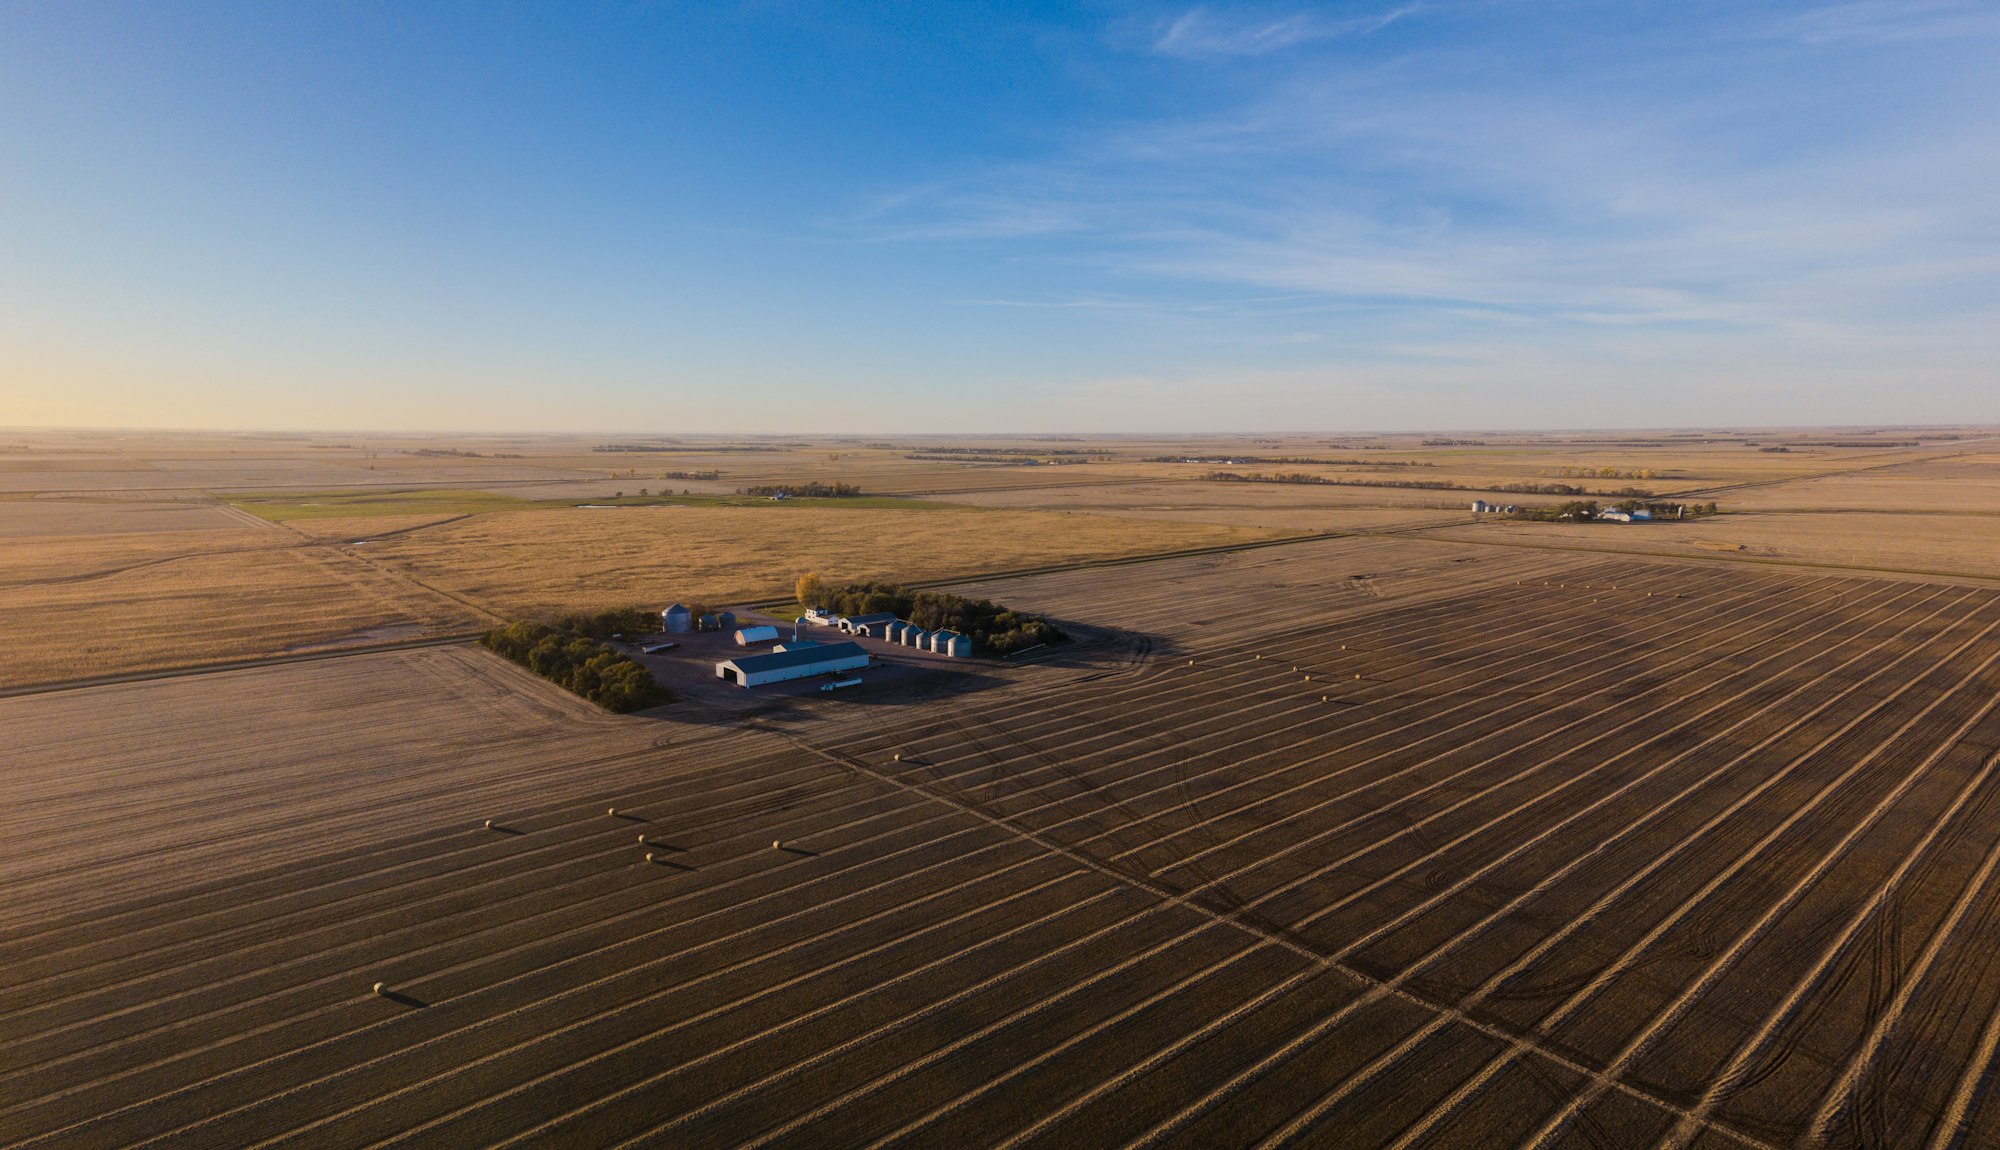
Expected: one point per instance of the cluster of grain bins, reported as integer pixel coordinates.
(949, 643)
(886, 626)
(1481, 507)
(679, 620)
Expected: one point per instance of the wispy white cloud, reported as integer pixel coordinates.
(1442, 183)
(1201, 34)
(1879, 22)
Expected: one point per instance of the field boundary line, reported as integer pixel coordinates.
(590, 858)
(1733, 1073)
(454, 638)
(1170, 1126)
(1275, 938)
(1242, 669)
(1840, 1096)
(468, 636)
(1524, 1044)
(1722, 559)
(646, 910)
(967, 1097)
(1950, 1130)
(1677, 1007)
(1703, 627)
(405, 1051)
(798, 1019)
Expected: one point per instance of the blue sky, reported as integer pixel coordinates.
(924, 217)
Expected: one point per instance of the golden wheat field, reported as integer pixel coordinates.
(129, 551)
(549, 561)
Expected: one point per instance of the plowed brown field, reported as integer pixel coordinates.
(1358, 842)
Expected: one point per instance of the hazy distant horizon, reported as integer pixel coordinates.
(612, 435)
(1135, 216)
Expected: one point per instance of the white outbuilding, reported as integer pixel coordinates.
(867, 624)
(760, 634)
(780, 666)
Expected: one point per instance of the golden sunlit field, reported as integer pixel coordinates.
(1351, 815)
(129, 551)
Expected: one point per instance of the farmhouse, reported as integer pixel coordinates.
(779, 666)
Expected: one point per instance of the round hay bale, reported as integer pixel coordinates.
(381, 988)
(649, 856)
(777, 844)
(612, 811)
(642, 840)
(489, 824)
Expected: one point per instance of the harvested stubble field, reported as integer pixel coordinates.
(129, 552)
(77, 606)
(1290, 508)
(1949, 545)
(1548, 850)
(578, 558)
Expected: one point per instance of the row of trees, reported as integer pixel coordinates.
(1250, 460)
(1606, 473)
(813, 490)
(579, 663)
(1585, 510)
(993, 629)
(1424, 484)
